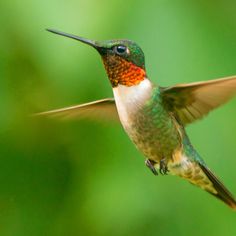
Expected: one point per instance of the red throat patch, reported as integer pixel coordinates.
(123, 72)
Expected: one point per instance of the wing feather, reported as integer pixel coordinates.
(104, 109)
(193, 101)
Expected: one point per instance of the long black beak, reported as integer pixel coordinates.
(84, 40)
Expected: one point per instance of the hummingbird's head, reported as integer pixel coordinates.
(123, 59)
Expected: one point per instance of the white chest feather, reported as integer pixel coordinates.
(130, 99)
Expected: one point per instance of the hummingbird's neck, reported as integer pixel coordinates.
(130, 99)
(123, 72)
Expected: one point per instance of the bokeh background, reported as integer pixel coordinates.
(85, 178)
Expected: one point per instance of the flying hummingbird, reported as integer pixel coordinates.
(155, 117)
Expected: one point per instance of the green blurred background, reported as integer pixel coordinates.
(84, 178)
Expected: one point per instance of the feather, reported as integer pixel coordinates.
(198, 174)
(193, 101)
(103, 109)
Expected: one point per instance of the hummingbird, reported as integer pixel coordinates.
(155, 117)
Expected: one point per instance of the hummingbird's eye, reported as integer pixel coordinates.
(120, 49)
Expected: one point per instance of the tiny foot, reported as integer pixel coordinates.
(163, 167)
(150, 165)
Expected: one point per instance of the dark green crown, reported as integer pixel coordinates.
(126, 49)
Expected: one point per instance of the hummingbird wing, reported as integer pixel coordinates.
(193, 101)
(101, 109)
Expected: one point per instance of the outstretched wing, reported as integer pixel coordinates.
(103, 109)
(193, 101)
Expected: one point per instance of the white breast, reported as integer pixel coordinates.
(130, 99)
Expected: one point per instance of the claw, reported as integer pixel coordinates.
(163, 167)
(150, 165)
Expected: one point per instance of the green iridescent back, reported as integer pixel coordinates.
(155, 132)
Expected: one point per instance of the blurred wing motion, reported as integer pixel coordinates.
(193, 101)
(103, 109)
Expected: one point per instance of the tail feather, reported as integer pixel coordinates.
(222, 192)
(198, 174)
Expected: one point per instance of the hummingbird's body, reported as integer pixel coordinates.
(153, 130)
(155, 117)
(156, 132)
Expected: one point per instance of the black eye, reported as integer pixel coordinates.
(120, 49)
